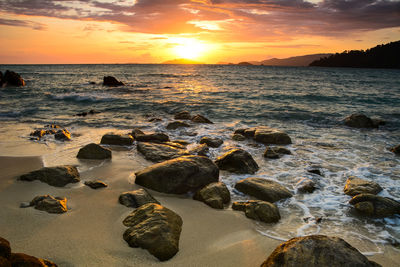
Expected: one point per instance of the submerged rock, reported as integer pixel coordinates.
(315, 171)
(396, 149)
(375, 206)
(84, 114)
(154, 228)
(183, 115)
(11, 78)
(263, 189)
(111, 81)
(355, 186)
(305, 185)
(259, 210)
(50, 204)
(135, 132)
(152, 137)
(177, 124)
(159, 152)
(211, 141)
(360, 121)
(117, 140)
(201, 150)
(96, 184)
(179, 175)
(201, 119)
(276, 152)
(55, 176)
(267, 135)
(62, 135)
(94, 151)
(214, 195)
(238, 137)
(238, 161)
(136, 198)
(317, 251)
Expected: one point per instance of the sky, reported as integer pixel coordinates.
(208, 31)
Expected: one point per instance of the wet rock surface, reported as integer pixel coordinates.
(154, 228)
(152, 137)
(258, 210)
(317, 251)
(159, 152)
(96, 184)
(55, 176)
(177, 124)
(94, 151)
(305, 185)
(136, 198)
(11, 78)
(50, 204)
(111, 81)
(361, 121)
(179, 175)
(276, 152)
(263, 189)
(183, 115)
(355, 186)
(375, 206)
(117, 140)
(201, 119)
(211, 141)
(238, 161)
(214, 195)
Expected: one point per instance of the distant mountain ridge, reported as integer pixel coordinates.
(380, 56)
(293, 61)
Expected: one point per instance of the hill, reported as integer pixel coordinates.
(293, 61)
(381, 56)
(181, 61)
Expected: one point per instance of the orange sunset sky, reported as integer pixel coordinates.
(210, 31)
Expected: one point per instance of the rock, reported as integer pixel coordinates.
(214, 195)
(238, 137)
(154, 120)
(268, 135)
(136, 132)
(317, 251)
(24, 260)
(378, 122)
(96, 184)
(211, 141)
(177, 124)
(55, 176)
(396, 149)
(3, 261)
(38, 133)
(159, 152)
(359, 121)
(11, 78)
(201, 150)
(179, 175)
(305, 185)
(62, 135)
(375, 206)
(239, 131)
(111, 81)
(1, 79)
(201, 119)
(173, 144)
(183, 115)
(136, 198)
(153, 137)
(263, 189)
(5, 249)
(117, 140)
(249, 133)
(238, 161)
(315, 171)
(182, 142)
(154, 228)
(50, 204)
(84, 114)
(355, 186)
(276, 152)
(259, 210)
(94, 151)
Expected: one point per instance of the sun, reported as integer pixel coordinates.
(189, 49)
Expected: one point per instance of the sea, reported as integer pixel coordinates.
(309, 103)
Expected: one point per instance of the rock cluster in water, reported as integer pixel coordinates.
(11, 78)
(57, 131)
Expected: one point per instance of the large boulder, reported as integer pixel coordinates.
(154, 228)
(176, 124)
(11, 78)
(117, 140)
(159, 152)
(396, 149)
(24, 260)
(316, 251)
(50, 204)
(136, 198)
(263, 189)
(152, 137)
(179, 175)
(183, 115)
(94, 151)
(201, 119)
(56, 176)
(267, 135)
(355, 186)
(238, 161)
(211, 141)
(214, 195)
(259, 210)
(360, 121)
(375, 206)
(111, 81)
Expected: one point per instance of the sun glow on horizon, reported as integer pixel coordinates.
(190, 49)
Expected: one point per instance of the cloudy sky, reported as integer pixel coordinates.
(152, 31)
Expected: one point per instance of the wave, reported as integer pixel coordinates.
(83, 97)
(168, 75)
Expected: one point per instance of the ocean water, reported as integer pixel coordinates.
(308, 103)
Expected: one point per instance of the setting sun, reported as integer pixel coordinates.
(190, 49)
